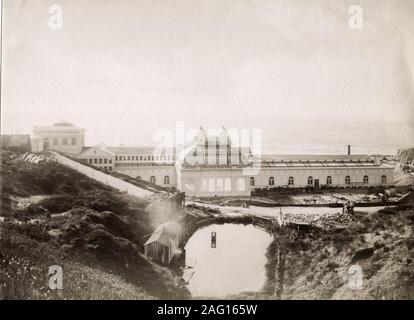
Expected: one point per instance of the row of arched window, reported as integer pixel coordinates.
(291, 180)
(222, 184)
(153, 180)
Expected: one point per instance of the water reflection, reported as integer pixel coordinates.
(235, 264)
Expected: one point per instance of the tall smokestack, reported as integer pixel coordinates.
(349, 149)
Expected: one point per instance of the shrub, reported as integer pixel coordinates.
(32, 230)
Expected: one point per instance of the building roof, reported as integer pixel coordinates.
(159, 236)
(138, 150)
(63, 124)
(164, 232)
(87, 150)
(211, 150)
(170, 226)
(60, 127)
(270, 164)
(331, 161)
(313, 157)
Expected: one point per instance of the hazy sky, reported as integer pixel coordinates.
(294, 68)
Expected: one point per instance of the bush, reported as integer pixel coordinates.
(111, 247)
(96, 200)
(112, 223)
(33, 231)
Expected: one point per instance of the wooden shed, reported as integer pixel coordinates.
(164, 242)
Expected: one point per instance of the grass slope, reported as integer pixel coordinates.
(94, 232)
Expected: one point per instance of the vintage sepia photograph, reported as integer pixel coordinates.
(204, 150)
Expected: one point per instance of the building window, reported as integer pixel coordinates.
(203, 184)
(105, 161)
(90, 161)
(152, 179)
(271, 181)
(140, 158)
(227, 184)
(291, 181)
(366, 179)
(100, 161)
(110, 168)
(252, 181)
(65, 141)
(240, 184)
(347, 180)
(46, 143)
(310, 181)
(95, 161)
(211, 185)
(219, 185)
(128, 158)
(384, 179)
(116, 158)
(328, 180)
(55, 141)
(166, 180)
(73, 141)
(110, 161)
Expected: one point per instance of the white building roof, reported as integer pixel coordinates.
(138, 150)
(61, 127)
(317, 158)
(164, 233)
(95, 150)
(331, 161)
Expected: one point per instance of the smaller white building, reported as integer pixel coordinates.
(147, 164)
(62, 137)
(98, 156)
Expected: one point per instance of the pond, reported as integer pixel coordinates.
(236, 263)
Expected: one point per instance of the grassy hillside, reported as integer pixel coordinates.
(94, 232)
